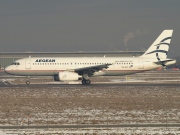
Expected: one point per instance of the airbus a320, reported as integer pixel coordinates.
(83, 68)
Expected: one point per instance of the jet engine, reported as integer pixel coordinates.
(67, 76)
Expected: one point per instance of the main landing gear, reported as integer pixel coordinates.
(85, 79)
(86, 82)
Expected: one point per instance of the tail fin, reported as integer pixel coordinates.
(160, 47)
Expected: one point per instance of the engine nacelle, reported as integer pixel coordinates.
(67, 76)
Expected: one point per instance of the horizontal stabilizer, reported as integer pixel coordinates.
(165, 62)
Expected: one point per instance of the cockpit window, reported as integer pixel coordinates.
(15, 63)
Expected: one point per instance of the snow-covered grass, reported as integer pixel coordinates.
(97, 131)
(108, 104)
(87, 105)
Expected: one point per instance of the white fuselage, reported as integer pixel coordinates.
(73, 69)
(53, 65)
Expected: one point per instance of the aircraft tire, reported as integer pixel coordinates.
(27, 82)
(83, 82)
(88, 82)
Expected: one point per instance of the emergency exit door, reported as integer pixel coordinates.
(141, 64)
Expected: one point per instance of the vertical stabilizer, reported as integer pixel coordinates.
(160, 47)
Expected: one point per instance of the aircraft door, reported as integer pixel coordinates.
(28, 64)
(141, 64)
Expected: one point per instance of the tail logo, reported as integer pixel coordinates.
(162, 42)
(159, 48)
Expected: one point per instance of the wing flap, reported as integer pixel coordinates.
(91, 69)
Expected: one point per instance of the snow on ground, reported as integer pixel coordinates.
(78, 104)
(87, 105)
(94, 131)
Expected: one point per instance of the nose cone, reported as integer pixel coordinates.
(7, 69)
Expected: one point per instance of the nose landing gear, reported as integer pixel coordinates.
(28, 80)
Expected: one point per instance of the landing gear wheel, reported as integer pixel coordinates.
(83, 81)
(86, 82)
(27, 82)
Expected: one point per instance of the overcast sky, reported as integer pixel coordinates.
(87, 25)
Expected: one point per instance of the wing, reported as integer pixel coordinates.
(91, 70)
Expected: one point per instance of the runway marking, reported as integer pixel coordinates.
(6, 82)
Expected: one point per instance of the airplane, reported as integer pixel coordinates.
(83, 68)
